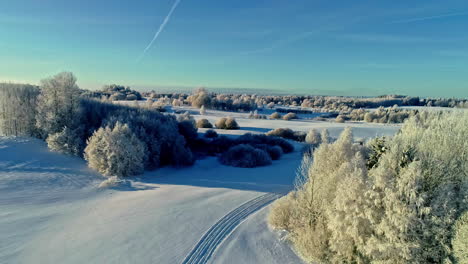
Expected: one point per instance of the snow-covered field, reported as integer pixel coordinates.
(52, 211)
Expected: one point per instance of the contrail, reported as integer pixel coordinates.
(429, 17)
(161, 28)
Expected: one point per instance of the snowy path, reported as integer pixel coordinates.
(223, 228)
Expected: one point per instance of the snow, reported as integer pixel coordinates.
(52, 210)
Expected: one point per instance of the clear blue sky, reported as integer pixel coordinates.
(316, 47)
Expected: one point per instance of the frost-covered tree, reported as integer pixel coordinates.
(401, 210)
(115, 151)
(58, 104)
(18, 109)
(67, 141)
(200, 98)
(313, 137)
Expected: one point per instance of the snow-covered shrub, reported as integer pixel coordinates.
(261, 139)
(110, 182)
(340, 119)
(202, 110)
(221, 123)
(67, 141)
(200, 98)
(231, 123)
(313, 137)
(460, 239)
(181, 154)
(204, 123)
(325, 136)
(275, 115)
(186, 116)
(58, 105)
(289, 116)
(117, 97)
(211, 134)
(245, 156)
(287, 133)
(115, 151)
(281, 212)
(227, 123)
(275, 152)
(187, 129)
(256, 115)
(119, 92)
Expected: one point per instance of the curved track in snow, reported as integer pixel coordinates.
(205, 248)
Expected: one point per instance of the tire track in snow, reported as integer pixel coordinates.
(205, 248)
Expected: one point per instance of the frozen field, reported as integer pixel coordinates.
(51, 210)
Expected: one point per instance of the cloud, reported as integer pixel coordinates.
(418, 19)
(160, 29)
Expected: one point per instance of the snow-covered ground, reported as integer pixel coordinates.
(52, 211)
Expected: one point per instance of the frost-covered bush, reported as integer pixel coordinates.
(221, 123)
(256, 115)
(211, 134)
(340, 119)
(289, 116)
(313, 137)
(187, 129)
(204, 123)
(202, 110)
(110, 182)
(115, 151)
(275, 152)
(227, 123)
(325, 136)
(288, 134)
(119, 92)
(245, 156)
(401, 210)
(275, 115)
(67, 141)
(186, 116)
(181, 156)
(265, 140)
(200, 98)
(231, 123)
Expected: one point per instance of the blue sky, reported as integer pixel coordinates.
(314, 47)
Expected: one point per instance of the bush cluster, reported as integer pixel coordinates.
(114, 92)
(287, 133)
(63, 115)
(245, 156)
(227, 123)
(214, 145)
(289, 116)
(256, 115)
(275, 115)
